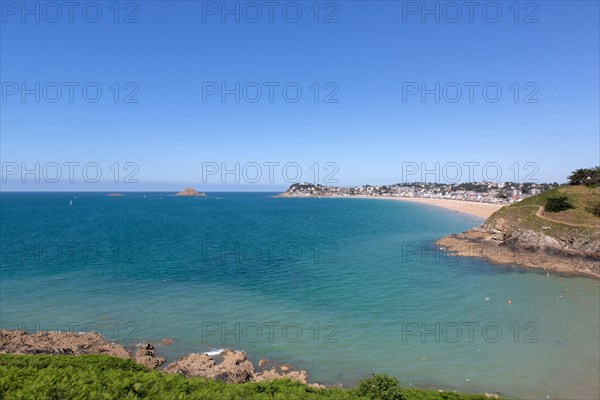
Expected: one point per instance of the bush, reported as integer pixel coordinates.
(380, 387)
(556, 204)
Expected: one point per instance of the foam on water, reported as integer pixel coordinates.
(215, 352)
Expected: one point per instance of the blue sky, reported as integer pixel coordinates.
(371, 54)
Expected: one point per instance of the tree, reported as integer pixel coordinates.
(595, 177)
(585, 176)
(556, 204)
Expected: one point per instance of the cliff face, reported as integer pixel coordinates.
(524, 234)
(527, 249)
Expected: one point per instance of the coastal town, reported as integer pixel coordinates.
(481, 192)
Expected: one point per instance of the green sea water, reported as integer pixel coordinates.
(339, 287)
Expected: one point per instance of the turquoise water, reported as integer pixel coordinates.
(340, 287)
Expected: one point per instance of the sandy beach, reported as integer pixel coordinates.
(481, 210)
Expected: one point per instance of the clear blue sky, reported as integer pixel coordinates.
(368, 55)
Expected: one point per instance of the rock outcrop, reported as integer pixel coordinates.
(563, 241)
(233, 368)
(271, 374)
(502, 244)
(21, 342)
(147, 356)
(229, 366)
(190, 192)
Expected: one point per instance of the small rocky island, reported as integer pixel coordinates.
(115, 195)
(190, 192)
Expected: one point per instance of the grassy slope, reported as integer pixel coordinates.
(86, 377)
(523, 214)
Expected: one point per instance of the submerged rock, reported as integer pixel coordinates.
(262, 362)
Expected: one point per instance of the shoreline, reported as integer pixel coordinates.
(487, 244)
(227, 366)
(472, 208)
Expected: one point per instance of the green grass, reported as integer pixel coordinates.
(581, 197)
(96, 377)
(522, 215)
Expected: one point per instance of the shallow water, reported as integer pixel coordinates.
(340, 287)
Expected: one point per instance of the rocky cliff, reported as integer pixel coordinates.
(524, 234)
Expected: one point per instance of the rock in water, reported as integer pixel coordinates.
(147, 357)
(233, 368)
(272, 374)
(262, 362)
(191, 365)
(190, 192)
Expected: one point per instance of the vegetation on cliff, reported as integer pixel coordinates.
(574, 216)
(102, 377)
(556, 230)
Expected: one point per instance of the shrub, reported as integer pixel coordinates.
(556, 204)
(380, 387)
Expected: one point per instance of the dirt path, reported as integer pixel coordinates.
(541, 210)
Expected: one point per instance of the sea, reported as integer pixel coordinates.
(340, 287)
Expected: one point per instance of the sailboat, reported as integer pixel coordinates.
(70, 202)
